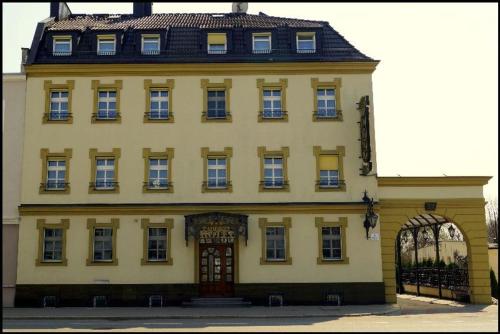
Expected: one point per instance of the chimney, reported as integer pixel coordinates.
(59, 10)
(24, 57)
(143, 9)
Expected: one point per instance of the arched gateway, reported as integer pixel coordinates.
(460, 199)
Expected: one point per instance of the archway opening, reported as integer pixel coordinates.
(431, 258)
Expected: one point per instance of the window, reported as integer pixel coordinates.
(216, 98)
(329, 169)
(332, 241)
(326, 100)
(150, 44)
(104, 173)
(261, 43)
(216, 173)
(157, 170)
(106, 105)
(216, 104)
(275, 241)
(52, 243)
(217, 43)
(217, 170)
(55, 171)
(61, 46)
(58, 102)
(56, 175)
(158, 102)
(106, 45)
(106, 102)
(272, 100)
(102, 242)
(306, 43)
(273, 173)
(157, 239)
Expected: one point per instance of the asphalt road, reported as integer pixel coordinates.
(415, 316)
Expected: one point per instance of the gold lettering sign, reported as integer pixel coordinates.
(216, 233)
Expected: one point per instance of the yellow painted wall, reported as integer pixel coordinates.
(431, 193)
(364, 255)
(493, 257)
(188, 134)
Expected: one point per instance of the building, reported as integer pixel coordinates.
(171, 156)
(13, 100)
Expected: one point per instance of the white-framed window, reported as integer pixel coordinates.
(150, 44)
(217, 173)
(216, 43)
(327, 106)
(106, 108)
(56, 175)
(275, 243)
(61, 46)
(106, 45)
(272, 103)
(158, 174)
(103, 244)
(157, 243)
(158, 99)
(105, 174)
(306, 43)
(58, 105)
(328, 178)
(332, 243)
(261, 43)
(52, 244)
(216, 103)
(273, 172)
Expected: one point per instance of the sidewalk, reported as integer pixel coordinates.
(140, 313)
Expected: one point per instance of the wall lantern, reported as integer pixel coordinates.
(451, 230)
(370, 216)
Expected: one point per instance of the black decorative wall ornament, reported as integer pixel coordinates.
(364, 125)
(216, 227)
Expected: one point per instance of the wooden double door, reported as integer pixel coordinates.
(216, 270)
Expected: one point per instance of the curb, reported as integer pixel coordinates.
(118, 317)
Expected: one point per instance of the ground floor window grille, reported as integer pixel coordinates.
(100, 301)
(333, 299)
(49, 301)
(276, 300)
(156, 301)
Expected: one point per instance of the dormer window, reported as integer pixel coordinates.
(150, 44)
(306, 42)
(262, 43)
(61, 46)
(106, 45)
(217, 43)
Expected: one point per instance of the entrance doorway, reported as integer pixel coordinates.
(216, 270)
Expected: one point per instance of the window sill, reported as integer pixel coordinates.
(337, 118)
(44, 190)
(167, 262)
(206, 119)
(146, 189)
(281, 262)
(170, 119)
(118, 119)
(114, 262)
(283, 118)
(341, 188)
(285, 188)
(323, 261)
(40, 263)
(206, 189)
(93, 190)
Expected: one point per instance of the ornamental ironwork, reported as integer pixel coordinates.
(216, 227)
(364, 125)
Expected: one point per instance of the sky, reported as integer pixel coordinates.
(435, 91)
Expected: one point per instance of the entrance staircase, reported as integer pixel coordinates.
(217, 302)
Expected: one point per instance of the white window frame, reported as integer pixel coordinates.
(59, 100)
(313, 35)
(260, 35)
(155, 52)
(56, 180)
(57, 39)
(158, 99)
(158, 238)
(275, 113)
(217, 167)
(330, 238)
(217, 100)
(52, 240)
(106, 167)
(275, 238)
(273, 167)
(326, 98)
(332, 179)
(102, 239)
(158, 168)
(107, 99)
(106, 39)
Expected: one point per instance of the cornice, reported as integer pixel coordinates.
(433, 181)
